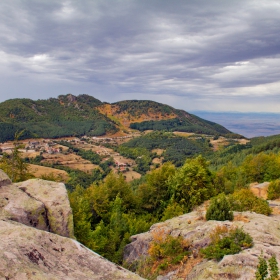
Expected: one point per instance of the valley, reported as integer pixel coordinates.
(132, 171)
(45, 155)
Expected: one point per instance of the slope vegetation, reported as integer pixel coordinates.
(56, 117)
(69, 115)
(149, 115)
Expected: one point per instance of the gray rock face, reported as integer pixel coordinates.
(55, 199)
(37, 203)
(27, 253)
(18, 206)
(264, 230)
(4, 179)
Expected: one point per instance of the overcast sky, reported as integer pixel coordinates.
(193, 55)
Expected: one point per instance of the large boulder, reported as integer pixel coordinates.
(18, 206)
(55, 199)
(27, 253)
(263, 229)
(37, 203)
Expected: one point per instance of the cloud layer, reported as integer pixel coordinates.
(193, 55)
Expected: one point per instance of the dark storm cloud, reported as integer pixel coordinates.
(206, 54)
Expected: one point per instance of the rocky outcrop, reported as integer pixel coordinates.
(17, 206)
(37, 203)
(4, 179)
(27, 253)
(55, 199)
(260, 190)
(28, 211)
(264, 230)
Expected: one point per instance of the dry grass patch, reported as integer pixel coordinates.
(131, 175)
(85, 167)
(41, 171)
(241, 218)
(275, 210)
(158, 151)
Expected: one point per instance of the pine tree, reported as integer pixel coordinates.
(273, 268)
(13, 165)
(219, 209)
(261, 272)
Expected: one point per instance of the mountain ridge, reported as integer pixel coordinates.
(70, 115)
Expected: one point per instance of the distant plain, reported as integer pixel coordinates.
(247, 124)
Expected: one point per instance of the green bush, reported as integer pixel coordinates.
(245, 200)
(262, 269)
(229, 243)
(166, 252)
(273, 191)
(219, 209)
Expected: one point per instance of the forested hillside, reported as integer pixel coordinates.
(53, 118)
(149, 115)
(69, 115)
(175, 148)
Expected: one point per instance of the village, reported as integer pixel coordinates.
(51, 152)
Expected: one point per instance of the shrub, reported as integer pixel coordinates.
(273, 191)
(262, 269)
(228, 243)
(172, 210)
(165, 252)
(219, 209)
(165, 246)
(245, 200)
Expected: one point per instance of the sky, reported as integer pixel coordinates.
(193, 55)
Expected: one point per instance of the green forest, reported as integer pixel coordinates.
(53, 118)
(69, 115)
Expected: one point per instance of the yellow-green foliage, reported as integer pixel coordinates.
(273, 191)
(154, 194)
(245, 200)
(82, 216)
(104, 216)
(165, 252)
(172, 210)
(192, 184)
(261, 167)
(103, 194)
(227, 242)
(13, 165)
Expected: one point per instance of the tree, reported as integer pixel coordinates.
(104, 193)
(173, 209)
(13, 165)
(273, 190)
(219, 209)
(273, 268)
(245, 200)
(261, 167)
(153, 194)
(82, 216)
(192, 184)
